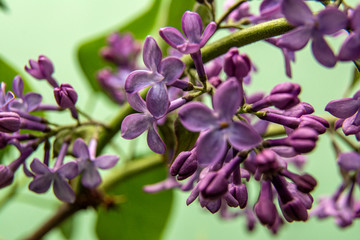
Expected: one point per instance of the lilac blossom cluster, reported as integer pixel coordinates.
(17, 110)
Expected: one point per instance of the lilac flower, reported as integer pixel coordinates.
(192, 27)
(237, 65)
(24, 103)
(350, 49)
(66, 97)
(114, 84)
(162, 72)
(135, 124)
(45, 176)
(42, 69)
(326, 22)
(9, 122)
(5, 97)
(218, 125)
(346, 108)
(88, 163)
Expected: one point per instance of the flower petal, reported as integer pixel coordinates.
(322, 52)
(134, 124)
(138, 80)
(349, 161)
(197, 116)
(295, 39)
(91, 177)
(350, 49)
(192, 26)
(242, 136)
(343, 108)
(38, 167)
(106, 161)
(136, 102)
(227, 99)
(172, 36)
(157, 100)
(152, 54)
(69, 170)
(154, 141)
(171, 68)
(62, 190)
(18, 86)
(32, 100)
(211, 147)
(331, 20)
(297, 12)
(41, 184)
(208, 32)
(80, 149)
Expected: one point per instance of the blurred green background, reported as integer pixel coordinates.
(57, 27)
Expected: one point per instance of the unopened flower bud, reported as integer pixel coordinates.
(6, 176)
(65, 95)
(184, 165)
(265, 209)
(266, 161)
(214, 185)
(239, 192)
(236, 65)
(9, 122)
(317, 123)
(285, 95)
(303, 140)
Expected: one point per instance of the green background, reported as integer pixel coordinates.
(57, 27)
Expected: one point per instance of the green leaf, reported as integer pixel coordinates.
(7, 74)
(88, 53)
(3, 6)
(67, 228)
(185, 139)
(142, 215)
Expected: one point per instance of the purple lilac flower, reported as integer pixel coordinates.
(66, 97)
(192, 27)
(45, 176)
(236, 64)
(239, 13)
(24, 103)
(135, 124)
(42, 69)
(5, 97)
(326, 22)
(218, 125)
(289, 56)
(114, 84)
(162, 72)
(9, 122)
(89, 164)
(350, 49)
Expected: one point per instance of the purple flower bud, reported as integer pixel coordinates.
(303, 140)
(9, 122)
(304, 183)
(284, 95)
(214, 185)
(265, 209)
(239, 192)
(267, 161)
(184, 165)
(65, 95)
(294, 210)
(6, 176)
(317, 123)
(236, 65)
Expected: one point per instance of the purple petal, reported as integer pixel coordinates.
(171, 68)
(343, 108)
(62, 190)
(350, 49)
(69, 170)
(227, 99)
(331, 20)
(197, 116)
(138, 80)
(208, 32)
(355, 19)
(134, 124)
(192, 26)
(295, 39)
(172, 36)
(242, 136)
(32, 100)
(41, 184)
(211, 147)
(297, 12)
(188, 48)
(91, 177)
(106, 161)
(18, 86)
(46, 66)
(157, 100)
(152, 54)
(80, 149)
(136, 102)
(322, 52)
(349, 161)
(17, 105)
(154, 141)
(348, 126)
(39, 167)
